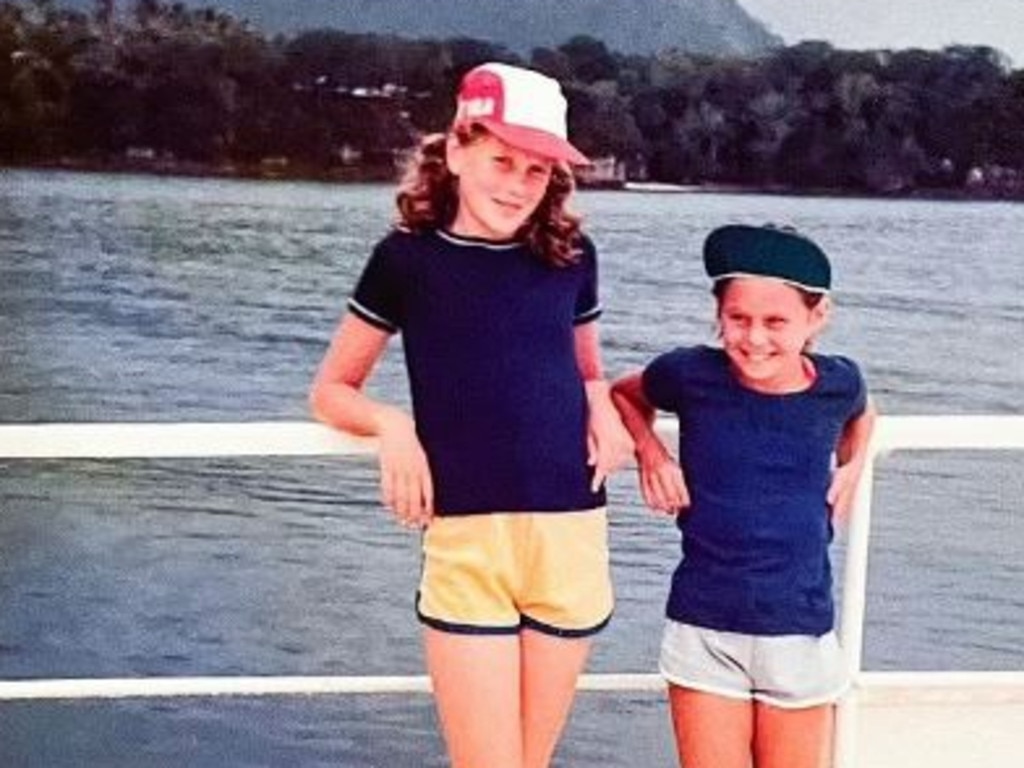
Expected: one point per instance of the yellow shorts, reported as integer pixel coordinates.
(501, 572)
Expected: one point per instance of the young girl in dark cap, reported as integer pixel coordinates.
(749, 650)
(493, 287)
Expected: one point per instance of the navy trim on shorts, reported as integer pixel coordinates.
(465, 629)
(526, 622)
(547, 629)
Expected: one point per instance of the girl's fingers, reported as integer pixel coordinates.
(592, 452)
(422, 498)
(412, 513)
(673, 489)
(428, 494)
(414, 506)
(403, 497)
(654, 493)
(407, 488)
(600, 475)
(680, 493)
(647, 489)
(671, 500)
(387, 485)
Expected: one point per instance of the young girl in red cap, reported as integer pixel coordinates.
(749, 651)
(494, 290)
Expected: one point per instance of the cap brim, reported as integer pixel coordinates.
(762, 276)
(538, 142)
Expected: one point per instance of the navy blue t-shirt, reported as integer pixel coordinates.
(758, 467)
(488, 333)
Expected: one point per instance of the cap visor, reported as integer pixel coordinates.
(778, 278)
(538, 142)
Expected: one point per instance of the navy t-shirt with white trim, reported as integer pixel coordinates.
(488, 334)
(758, 467)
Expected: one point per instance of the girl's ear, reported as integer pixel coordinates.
(453, 154)
(820, 314)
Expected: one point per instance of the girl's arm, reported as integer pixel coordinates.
(661, 479)
(337, 399)
(851, 456)
(609, 446)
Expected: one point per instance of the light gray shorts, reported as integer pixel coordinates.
(789, 671)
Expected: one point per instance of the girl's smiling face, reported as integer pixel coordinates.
(499, 186)
(766, 326)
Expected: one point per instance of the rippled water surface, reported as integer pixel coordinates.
(141, 299)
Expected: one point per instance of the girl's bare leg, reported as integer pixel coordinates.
(477, 682)
(550, 668)
(711, 731)
(793, 738)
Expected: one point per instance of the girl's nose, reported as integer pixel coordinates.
(756, 334)
(518, 186)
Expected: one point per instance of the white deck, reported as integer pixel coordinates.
(939, 720)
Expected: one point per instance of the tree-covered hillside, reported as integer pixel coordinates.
(182, 90)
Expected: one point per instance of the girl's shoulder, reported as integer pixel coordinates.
(400, 248)
(584, 252)
(838, 375)
(697, 364)
(585, 244)
(695, 357)
(400, 237)
(837, 367)
(671, 379)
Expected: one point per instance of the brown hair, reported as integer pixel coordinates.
(428, 198)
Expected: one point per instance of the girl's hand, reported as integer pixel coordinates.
(609, 444)
(405, 481)
(842, 492)
(661, 478)
(852, 454)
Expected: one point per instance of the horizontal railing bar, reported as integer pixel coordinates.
(177, 440)
(162, 687)
(298, 438)
(872, 687)
(988, 432)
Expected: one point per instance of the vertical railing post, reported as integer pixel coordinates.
(851, 625)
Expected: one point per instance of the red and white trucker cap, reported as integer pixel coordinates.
(521, 107)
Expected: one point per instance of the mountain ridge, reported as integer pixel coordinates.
(713, 27)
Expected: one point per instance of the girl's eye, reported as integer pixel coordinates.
(538, 171)
(776, 322)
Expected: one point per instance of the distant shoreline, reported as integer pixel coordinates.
(364, 174)
(931, 193)
(387, 175)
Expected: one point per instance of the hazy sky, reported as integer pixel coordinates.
(897, 23)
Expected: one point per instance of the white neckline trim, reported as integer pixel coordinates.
(476, 242)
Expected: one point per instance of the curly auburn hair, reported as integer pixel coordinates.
(428, 199)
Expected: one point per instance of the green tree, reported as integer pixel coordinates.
(589, 59)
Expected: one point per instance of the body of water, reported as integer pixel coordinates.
(127, 298)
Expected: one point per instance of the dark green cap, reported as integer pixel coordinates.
(739, 250)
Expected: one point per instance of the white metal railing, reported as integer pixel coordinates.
(186, 440)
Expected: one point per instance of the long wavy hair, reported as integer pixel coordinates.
(428, 198)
